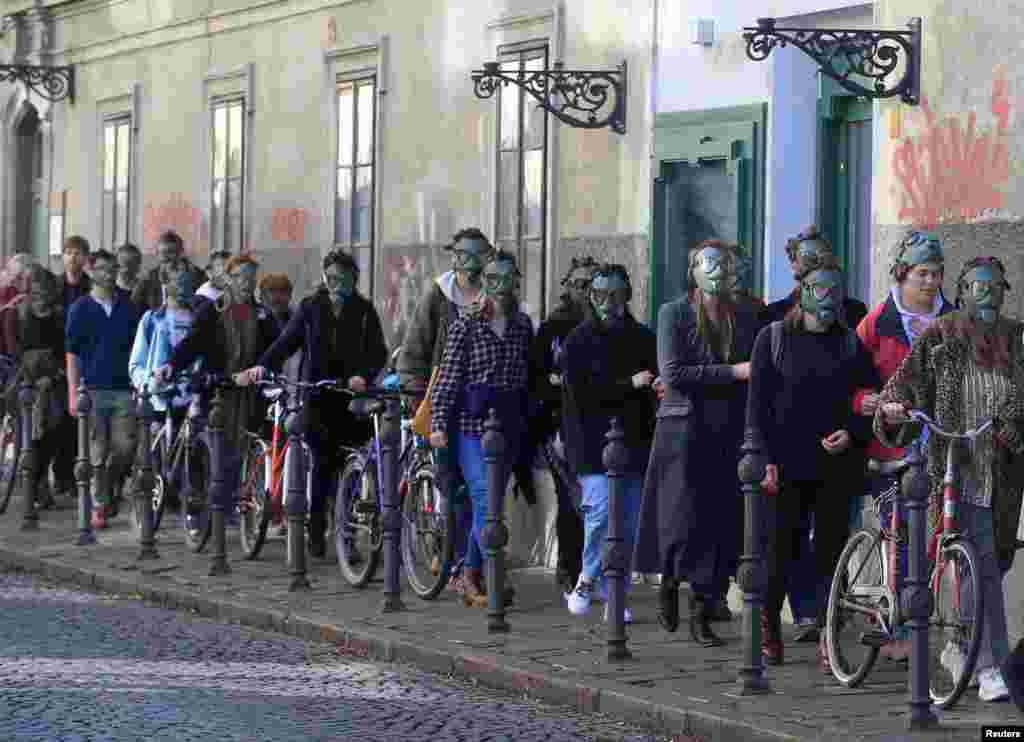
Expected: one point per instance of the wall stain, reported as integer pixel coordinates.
(289, 225)
(180, 214)
(952, 172)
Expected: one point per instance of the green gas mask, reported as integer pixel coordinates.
(501, 284)
(609, 294)
(712, 271)
(983, 290)
(470, 255)
(340, 283)
(821, 294)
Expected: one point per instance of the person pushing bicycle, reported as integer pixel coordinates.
(342, 338)
(968, 367)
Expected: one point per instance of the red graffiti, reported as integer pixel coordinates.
(289, 225)
(950, 173)
(179, 214)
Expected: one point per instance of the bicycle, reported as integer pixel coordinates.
(863, 602)
(427, 521)
(10, 437)
(259, 502)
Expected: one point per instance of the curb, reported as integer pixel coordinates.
(387, 646)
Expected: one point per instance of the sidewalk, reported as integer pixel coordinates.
(670, 685)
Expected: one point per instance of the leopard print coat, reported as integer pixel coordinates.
(931, 379)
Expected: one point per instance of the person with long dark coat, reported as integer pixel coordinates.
(691, 487)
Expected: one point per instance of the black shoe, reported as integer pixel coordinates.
(700, 624)
(719, 611)
(668, 604)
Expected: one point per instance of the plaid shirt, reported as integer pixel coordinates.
(474, 354)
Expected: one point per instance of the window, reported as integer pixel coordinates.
(227, 212)
(353, 205)
(117, 157)
(521, 182)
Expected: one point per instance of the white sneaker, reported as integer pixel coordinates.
(627, 615)
(579, 598)
(953, 659)
(991, 686)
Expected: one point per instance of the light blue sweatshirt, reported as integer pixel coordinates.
(159, 333)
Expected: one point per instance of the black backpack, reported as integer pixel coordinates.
(777, 330)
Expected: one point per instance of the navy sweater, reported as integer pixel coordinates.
(809, 398)
(103, 344)
(598, 365)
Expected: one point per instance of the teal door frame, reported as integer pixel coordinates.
(735, 134)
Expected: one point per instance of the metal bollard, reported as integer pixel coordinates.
(83, 468)
(295, 503)
(145, 480)
(752, 573)
(495, 535)
(29, 515)
(616, 560)
(219, 558)
(392, 518)
(915, 597)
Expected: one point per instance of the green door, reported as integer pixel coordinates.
(845, 123)
(705, 188)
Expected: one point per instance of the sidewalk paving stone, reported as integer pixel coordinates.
(670, 684)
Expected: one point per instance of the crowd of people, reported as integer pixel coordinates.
(721, 365)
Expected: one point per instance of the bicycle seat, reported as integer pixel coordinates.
(888, 467)
(366, 407)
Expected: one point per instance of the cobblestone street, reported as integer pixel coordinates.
(80, 667)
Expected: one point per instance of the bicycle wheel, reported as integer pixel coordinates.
(858, 589)
(357, 521)
(10, 451)
(955, 626)
(254, 501)
(196, 508)
(159, 494)
(427, 527)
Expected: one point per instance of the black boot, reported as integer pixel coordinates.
(317, 526)
(668, 604)
(700, 624)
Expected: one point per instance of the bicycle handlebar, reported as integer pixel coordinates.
(919, 416)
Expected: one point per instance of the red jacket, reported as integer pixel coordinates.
(883, 335)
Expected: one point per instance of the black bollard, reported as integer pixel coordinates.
(495, 535)
(83, 468)
(295, 503)
(391, 439)
(219, 558)
(616, 559)
(915, 597)
(29, 515)
(752, 573)
(145, 480)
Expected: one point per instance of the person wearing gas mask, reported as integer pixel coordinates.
(341, 335)
(229, 335)
(812, 449)
(129, 264)
(805, 252)
(170, 248)
(546, 390)
(608, 364)
(968, 367)
(691, 490)
(98, 336)
(485, 365)
(217, 278)
(450, 296)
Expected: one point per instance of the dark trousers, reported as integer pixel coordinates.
(568, 522)
(326, 434)
(66, 452)
(827, 504)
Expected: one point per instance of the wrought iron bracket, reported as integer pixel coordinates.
(585, 99)
(52, 83)
(848, 53)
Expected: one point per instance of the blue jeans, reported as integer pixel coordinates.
(458, 499)
(474, 470)
(977, 523)
(595, 519)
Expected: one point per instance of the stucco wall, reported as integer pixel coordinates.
(436, 159)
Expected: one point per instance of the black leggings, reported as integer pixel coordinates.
(828, 501)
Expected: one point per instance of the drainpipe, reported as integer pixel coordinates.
(554, 161)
